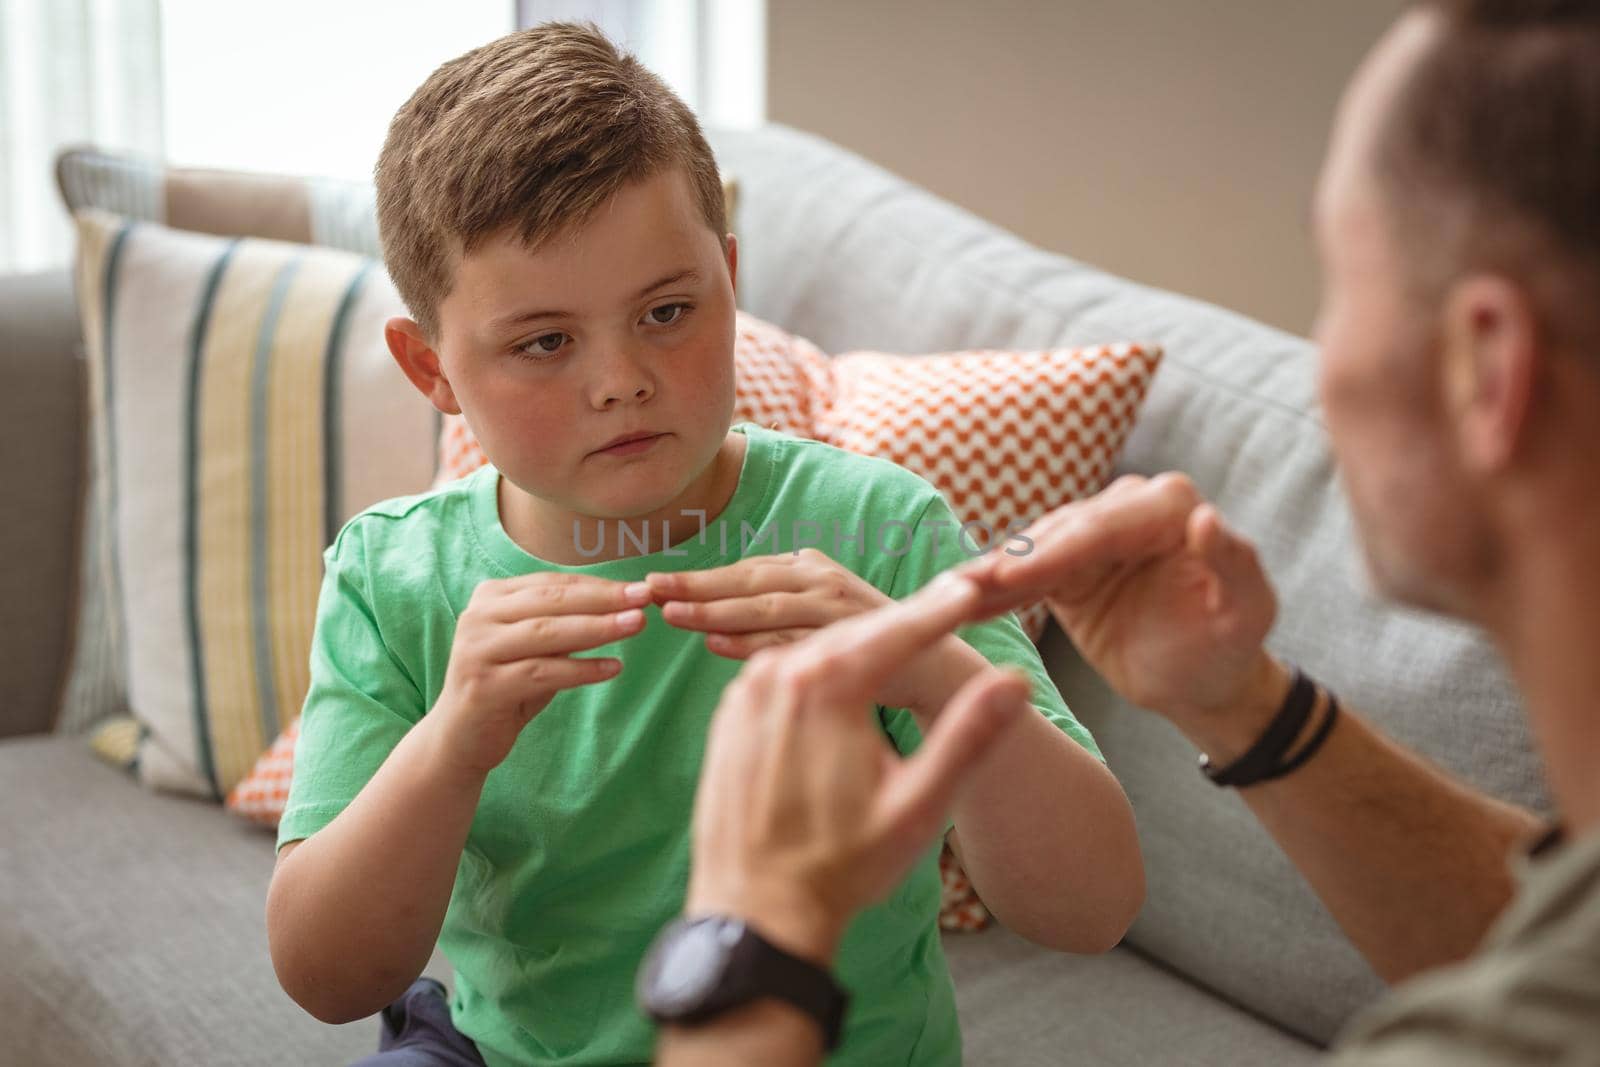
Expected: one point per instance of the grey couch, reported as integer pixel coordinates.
(132, 928)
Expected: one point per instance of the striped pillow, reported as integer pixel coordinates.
(322, 211)
(244, 406)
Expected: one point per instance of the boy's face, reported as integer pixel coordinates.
(622, 327)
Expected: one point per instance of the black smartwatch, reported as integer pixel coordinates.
(699, 968)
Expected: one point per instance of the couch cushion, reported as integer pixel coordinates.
(850, 256)
(134, 930)
(135, 935)
(1022, 1006)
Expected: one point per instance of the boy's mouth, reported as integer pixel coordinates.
(629, 444)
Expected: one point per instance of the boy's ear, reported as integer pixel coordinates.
(411, 349)
(733, 261)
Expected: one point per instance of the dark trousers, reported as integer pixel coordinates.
(417, 1032)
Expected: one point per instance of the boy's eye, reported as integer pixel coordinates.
(544, 345)
(667, 314)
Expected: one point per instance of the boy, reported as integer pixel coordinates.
(553, 218)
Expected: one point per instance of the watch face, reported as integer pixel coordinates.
(689, 964)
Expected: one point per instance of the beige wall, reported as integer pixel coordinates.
(1172, 141)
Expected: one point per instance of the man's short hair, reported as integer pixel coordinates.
(532, 133)
(1500, 121)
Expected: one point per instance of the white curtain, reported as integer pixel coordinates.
(713, 53)
(71, 72)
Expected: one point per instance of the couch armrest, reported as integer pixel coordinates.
(42, 419)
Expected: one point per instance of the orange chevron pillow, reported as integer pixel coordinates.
(261, 795)
(1007, 437)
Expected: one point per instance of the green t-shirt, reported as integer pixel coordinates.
(579, 851)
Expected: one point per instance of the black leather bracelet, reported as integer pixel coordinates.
(1298, 760)
(1265, 757)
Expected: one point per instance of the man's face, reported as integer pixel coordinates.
(624, 326)
(1380, 377)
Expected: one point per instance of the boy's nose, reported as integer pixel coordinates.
(640, 395)
(622, 379)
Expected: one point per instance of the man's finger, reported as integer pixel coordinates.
(863, 651)
(743, 646)
(1127, 526)
(969, 726)
(1232, 558)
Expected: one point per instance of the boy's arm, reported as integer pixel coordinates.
(354, 911)
(1043, 829)
(355, 908)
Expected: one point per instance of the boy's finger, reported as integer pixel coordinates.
(970, 725)
(556, 635)
(865, 650)
(748, 614)
(594, 596)
(546, 674)
(754, 575)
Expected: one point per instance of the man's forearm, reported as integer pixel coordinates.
(1411, 863)
(354, 912)
(769, 1032)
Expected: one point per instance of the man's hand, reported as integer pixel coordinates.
(805, 814)
(513, 652)
(1171, 607)
(1159, 596)
(769, 601)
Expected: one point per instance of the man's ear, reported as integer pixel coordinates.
(733, 261)
(1491, 364)
(412, 350)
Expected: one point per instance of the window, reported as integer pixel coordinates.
(304, 86)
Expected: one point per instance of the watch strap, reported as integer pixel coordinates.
(762, 969)
(750, 969)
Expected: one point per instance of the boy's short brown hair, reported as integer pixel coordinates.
(533, 131)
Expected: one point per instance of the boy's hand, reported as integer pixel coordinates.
(513, 652)
(768, 601)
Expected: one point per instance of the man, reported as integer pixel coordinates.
(1458, 219)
